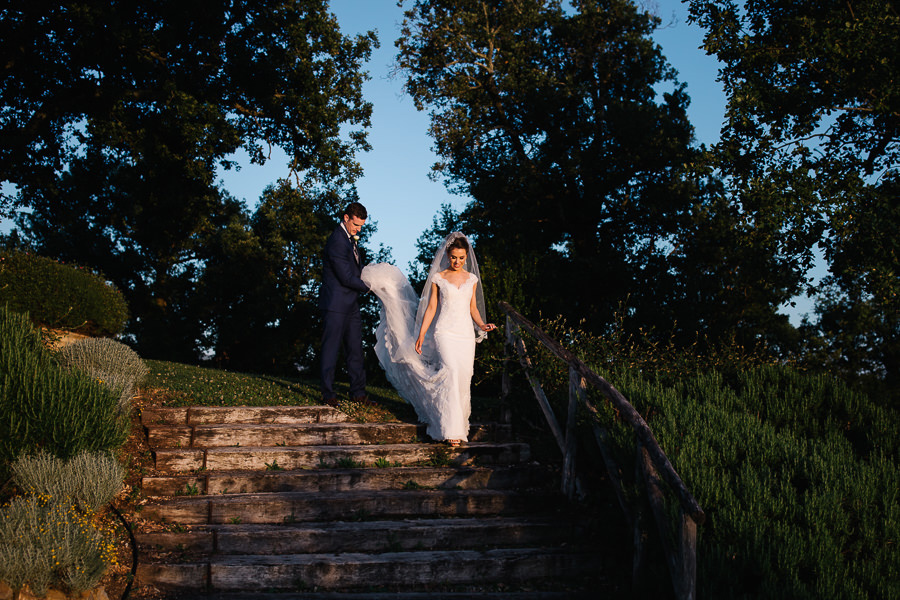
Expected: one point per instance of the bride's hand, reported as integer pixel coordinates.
(419, 345)
(488, 327)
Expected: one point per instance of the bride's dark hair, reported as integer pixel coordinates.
(460, 243)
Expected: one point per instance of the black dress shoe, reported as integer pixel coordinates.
(332, 402)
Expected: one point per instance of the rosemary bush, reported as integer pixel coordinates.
(48, 542)
(798, 473)
(90, 479)
(110, 362)
(45, 406)
(795, 508)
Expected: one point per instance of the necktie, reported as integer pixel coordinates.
(355, 250)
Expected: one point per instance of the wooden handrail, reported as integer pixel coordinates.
(645, 436)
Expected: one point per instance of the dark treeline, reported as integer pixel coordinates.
(590, 197)
(588, 194)
(116, 117)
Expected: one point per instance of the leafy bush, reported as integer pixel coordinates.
(794, 508)
(90, 479)
(60, 296)
(110, 362)
(45, 406)
(47, 541)
(797, 473)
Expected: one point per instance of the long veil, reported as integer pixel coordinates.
(417, 378)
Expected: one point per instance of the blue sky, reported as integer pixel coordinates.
(395, 187)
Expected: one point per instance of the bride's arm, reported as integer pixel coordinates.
(476, 316)
(427, 317)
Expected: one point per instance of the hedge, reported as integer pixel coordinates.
(60, 296)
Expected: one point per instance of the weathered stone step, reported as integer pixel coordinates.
(367, 536)
(353, 570)
(314, 434)
(309, 457)
(335, 480)
(430, 595)
(289, 507)
(210, 415)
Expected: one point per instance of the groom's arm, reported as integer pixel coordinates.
(343, 265)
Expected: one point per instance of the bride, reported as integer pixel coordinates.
(432, 369)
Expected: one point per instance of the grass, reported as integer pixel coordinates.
(176, 384)
(186, 385)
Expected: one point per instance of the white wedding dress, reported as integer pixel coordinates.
(437, 382)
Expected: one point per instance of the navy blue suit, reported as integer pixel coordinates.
(341, 321)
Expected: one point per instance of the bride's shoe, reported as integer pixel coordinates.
(453, 443)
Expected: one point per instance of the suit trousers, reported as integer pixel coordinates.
(342, 331)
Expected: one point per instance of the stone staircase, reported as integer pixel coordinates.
(299, 502)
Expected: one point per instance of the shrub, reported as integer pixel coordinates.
(45, 406)
(46, 541)
(90, 479)
(789, 516)
(60, 296)
(797, 473)
(112, 363)
(800, 501)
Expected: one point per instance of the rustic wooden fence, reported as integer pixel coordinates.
(652, 465)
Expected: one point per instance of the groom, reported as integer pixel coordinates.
(338, 300)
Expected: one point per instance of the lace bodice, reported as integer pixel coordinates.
(454, 317)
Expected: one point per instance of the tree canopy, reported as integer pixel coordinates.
(117, 116)
(552, 122)
(811, 146)
(164, 79)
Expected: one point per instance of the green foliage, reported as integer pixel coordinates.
(797, 473)
(188, 385)
(111, 363)
(60, 296)
(412, 485)
(159, 86)
(439, 456)
(45, 406)
(348, 462)
(161, 98)
(257, 294)
(46, 541)
(811, 161)
(794, 509)
(90, 479)
(552, 121)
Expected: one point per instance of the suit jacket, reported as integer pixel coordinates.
(341, 285)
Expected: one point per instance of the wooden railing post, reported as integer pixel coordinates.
(505, 385)
(539, 394)
(680, 558)
(687, 557)
(638, 539)
(652, 466)
(576, 389)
